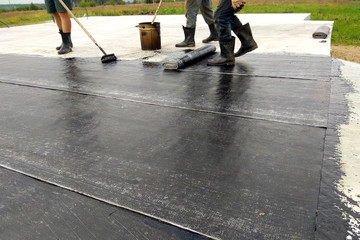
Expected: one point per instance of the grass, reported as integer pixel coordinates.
(344, 13)
(23, 18)
(346, 17)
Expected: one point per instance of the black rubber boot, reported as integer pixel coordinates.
(213, 34)
(189, 38)
(248, 43)
(226, 56)
(66, 45)
(58, 48)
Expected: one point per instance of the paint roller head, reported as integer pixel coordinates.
(108, 58)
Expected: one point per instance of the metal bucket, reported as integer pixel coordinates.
(150, 35)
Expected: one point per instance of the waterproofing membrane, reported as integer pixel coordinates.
(299, 67)
(222, 175)
(261, 86)
(321, 32)
(51, 212)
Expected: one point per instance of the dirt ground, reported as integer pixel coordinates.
(348, 53)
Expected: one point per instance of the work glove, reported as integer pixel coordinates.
(238, 4)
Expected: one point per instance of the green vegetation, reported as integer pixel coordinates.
(346, 16)
(31, 7)
(22, 7)
(24, 19)
(87, 3)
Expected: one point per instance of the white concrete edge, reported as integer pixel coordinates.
(349, 149)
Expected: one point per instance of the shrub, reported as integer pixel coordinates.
(87, 3)
(33, 7)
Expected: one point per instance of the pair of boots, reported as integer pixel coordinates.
(227, 55)
(190, 34)
(66, 45)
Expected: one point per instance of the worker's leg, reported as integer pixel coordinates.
(208, 15)
(66, 35)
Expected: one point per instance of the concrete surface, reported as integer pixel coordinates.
(349, 146)
(275, 33)
(288, 36)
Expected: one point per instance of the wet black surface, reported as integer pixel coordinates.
(332, 221)
(180, 165)
(261, 86)
(35, 210)
(235, 155)
(299, 67)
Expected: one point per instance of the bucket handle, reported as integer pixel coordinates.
(140, 26)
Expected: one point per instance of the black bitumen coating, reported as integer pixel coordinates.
(31, 209)
(234, 153)
(293, 89)
(332, 220)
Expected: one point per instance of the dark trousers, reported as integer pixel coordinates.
(225, 20)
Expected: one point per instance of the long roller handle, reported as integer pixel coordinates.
(155, 11)
(83, 28)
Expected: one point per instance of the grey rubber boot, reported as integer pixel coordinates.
(189, 38)
(58, 48)
(66, 45)
(226, 56)
(213, 34)
(248, 43)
